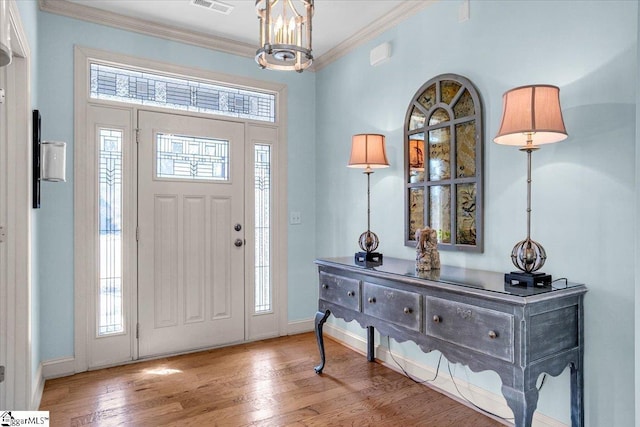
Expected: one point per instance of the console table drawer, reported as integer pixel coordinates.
(340, 290)
(487, 331)
(393, 305)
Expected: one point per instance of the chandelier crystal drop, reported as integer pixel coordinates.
(285, 34)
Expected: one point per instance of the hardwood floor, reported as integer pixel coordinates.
(265, 383)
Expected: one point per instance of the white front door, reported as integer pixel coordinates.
(190, 233)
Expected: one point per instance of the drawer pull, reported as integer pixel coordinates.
(325, 286)
(350, 293)
(437, 318)
(493, 335)
(407, 310)
(371, 300)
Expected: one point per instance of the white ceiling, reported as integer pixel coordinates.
(334, 22)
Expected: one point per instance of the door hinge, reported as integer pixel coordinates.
(1, 96)
(137, 330)
(137, 135)
(1, 374)
(137, 234)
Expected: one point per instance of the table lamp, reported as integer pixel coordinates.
(531, 116)
(368, 152)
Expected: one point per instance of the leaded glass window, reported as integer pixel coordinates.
(110, 304)
(146, 88)
(191, 158)
(263, 301)
(443, 163)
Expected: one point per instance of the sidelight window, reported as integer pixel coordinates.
(263, 297)
(110, 308)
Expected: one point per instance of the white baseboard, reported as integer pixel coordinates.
(37, 389)
(485, 399)
(55, 368)
(300, 326)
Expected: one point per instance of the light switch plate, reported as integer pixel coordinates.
(295, 218)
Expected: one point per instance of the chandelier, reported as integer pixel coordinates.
(285, 34)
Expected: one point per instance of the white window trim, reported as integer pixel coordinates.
(84, 172)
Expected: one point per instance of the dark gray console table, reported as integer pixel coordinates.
(468, 315)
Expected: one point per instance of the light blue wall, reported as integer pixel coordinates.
(29, 18)
(583, 187)
(57, 36)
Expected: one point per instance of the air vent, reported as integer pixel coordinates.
(216, 6)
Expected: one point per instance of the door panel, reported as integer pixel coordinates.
(191, 193)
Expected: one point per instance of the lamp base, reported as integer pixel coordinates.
(368, 259)
(529, 280)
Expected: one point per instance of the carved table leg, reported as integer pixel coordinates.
(320, 319)
(577, 398)
(522, 403)
(371, 357)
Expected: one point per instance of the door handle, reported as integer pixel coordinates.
(238, 242)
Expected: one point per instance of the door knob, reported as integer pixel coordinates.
(237, 227)
(238, 242)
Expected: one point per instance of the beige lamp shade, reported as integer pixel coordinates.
(531, 116)
(368, 151)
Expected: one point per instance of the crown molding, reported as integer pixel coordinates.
(97, 16)
(403, 11)
(78, 11)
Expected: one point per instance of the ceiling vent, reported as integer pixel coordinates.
(216, 6)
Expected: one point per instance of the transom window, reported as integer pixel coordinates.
(145, 88)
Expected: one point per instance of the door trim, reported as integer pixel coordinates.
(23, 385)
(84, 176)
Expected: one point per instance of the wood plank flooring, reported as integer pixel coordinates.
(265, 383)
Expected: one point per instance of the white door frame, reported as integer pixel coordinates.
(84, 173)
(22, 387)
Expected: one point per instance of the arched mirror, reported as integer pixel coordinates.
(443, 163)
